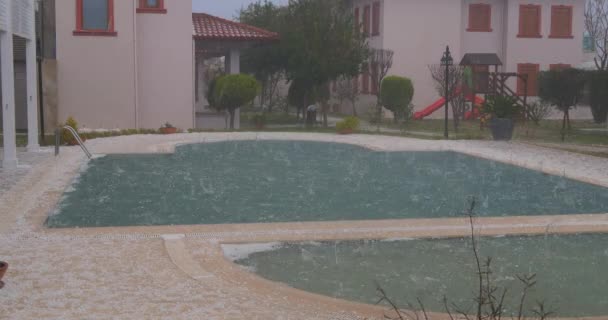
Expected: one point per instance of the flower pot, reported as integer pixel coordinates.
(502, 129)
(345, 131)
(3, 268)
(166, 130)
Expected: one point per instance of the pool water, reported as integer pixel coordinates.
(572, 270)
(286, 181)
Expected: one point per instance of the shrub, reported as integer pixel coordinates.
(563, 89)
(234, 91)
(598, 95)
(538, 111)
(500, 106)
(396, 94)
(349, 123)
(259, 120)
(66, 135)
(211, 93)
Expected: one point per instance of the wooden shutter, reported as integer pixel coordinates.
(357, 19)
(365, 80)
(480, 17)
(559, 66)
(529, 21)
(561, 22)
(376, 19)
(366, 26)
(531, 70)
(375, 78)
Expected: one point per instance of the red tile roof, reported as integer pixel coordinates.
(208, 27)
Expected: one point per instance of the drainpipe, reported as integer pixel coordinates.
(135, 67)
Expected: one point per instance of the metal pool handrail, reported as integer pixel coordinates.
(75, 135)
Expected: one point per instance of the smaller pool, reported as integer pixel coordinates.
(572, 270)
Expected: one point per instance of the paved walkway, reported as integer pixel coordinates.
(8, 178)
(179, 272)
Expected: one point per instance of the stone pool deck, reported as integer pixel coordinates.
(179, 272)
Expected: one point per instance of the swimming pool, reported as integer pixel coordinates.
(288, 181)
(571, 270)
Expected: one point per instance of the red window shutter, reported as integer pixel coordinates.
(366, 21)
(532, 71)
(375, 78)
(559, 66)
(561, 22)
(356, 84)
(365, 80)
(529, 21)
(480, 17)
(376, 19)
(357, 19)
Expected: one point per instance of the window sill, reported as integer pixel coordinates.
(561, 37)
(95, 33)
(151, 10)
(530, 36)
(479, 30)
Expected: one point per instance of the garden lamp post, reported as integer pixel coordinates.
(447, 61)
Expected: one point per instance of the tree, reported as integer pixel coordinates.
(596, 23)
(321, 43)
(454, 83)
(265, 62)
(598, 95)
(562, 89)
(234, 91)
(347, 89)
(299, 96)
(396, 94)
(382, 60)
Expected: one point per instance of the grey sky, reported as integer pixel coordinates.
(223, 8)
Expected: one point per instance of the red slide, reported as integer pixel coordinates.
(429, 110)
(439, 104)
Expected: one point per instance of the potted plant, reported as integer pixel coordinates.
(348, 125)
(259, 120)
(501, 112)
(3, 268)
(168, 129)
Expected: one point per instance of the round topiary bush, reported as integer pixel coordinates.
(396, 94)
(234, 91)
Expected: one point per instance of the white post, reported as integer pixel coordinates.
(8, 95)
(233, 66)
(32, 96)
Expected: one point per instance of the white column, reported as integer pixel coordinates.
(8, 96)
(233, 66)
(32, 96)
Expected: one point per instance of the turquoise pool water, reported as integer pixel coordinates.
(285, 181)
(572, 270)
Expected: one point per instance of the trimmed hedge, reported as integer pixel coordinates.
(598, 95)
(396, 94)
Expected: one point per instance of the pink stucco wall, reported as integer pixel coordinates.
(165, 66)
(418, 32)
(140, 78)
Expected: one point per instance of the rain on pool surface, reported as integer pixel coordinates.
(571, 270)
(288, 181)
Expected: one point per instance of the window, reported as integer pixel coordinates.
(365, 80)
(376, 19)
(532, 71)
(357, 19)
(480, 18)
(374, 78)
(561, 22)
(529, 21)
(366, 21)
(559, 66)
(95, 17)
(151, 6)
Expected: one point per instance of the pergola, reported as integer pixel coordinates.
(216, 37)
(17, 18)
